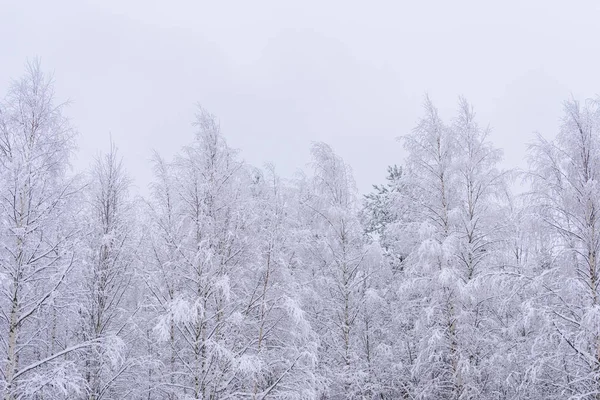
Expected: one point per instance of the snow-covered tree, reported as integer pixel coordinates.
(337, 272)
(565, 191)
(429, 286)
(480, 188)
(235, 283)
(36, 242)
(448, 236)
(199, 296)
(382, 213)
(106, 281)
(162, 280)
(282, 346)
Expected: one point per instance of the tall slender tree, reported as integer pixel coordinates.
(37, 246)
(338, 273)
(106, 280)
(429, 284)
(564, 181)
(201, 295)
(480, 189)
(282, 350)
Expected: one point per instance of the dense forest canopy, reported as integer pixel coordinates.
(229, 281)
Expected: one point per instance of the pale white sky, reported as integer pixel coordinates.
(280, 74)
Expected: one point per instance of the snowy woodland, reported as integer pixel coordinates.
(229, 281)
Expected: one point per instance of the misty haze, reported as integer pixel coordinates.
(285, 200)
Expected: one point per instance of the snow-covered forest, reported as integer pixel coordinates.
(229, 281)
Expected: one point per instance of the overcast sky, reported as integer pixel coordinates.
(282, 74)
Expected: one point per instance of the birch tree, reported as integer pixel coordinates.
(429, 285)
(338, 271)
(201, 316)
(481, 187)
(564, 177)
(282, 354)
(36, 253)
(163, 280)
(106, 280)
